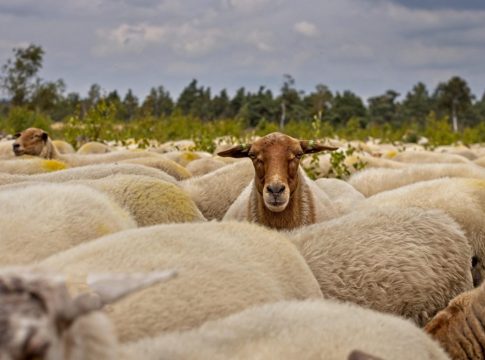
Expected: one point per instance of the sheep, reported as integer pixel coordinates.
(150, 201)
(214, 193)
(63, 147)
(318, 329)
(372, 181)
(6, 150)
(36, 142)
(227, 267)
(166, 165)
(88, 172)
(40, 320)
(204, 166)
(405, 261)
(40, 220)
(323, 167)
(480, 161)
(462, 199)
(459, 328)
(280, 196)
(342, 195)
(185, 157)
(429, 157)
(462, 151)
(31, 165)
(93, 147)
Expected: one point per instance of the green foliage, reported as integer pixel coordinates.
(338, 165)
(20, 118)
(97, 125)
(438, 130)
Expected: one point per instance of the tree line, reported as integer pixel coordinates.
(452, 99)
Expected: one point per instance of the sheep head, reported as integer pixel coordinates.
(30, 142)
(459, 328)
(37, 312)
(276, 159)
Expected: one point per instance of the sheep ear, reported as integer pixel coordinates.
(238, 151)
(44, 136)
(109, 288)
(17, 135)
(311, 146)
(360, 355)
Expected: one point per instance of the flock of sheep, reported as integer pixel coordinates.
(176, 254)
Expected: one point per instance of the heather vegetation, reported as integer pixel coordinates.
(448, 114)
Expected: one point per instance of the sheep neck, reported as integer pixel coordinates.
(300, 210)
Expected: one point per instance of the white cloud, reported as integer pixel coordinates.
(306, 28)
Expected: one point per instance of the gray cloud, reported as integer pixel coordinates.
(367, 46)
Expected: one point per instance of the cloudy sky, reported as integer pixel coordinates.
(367, 46)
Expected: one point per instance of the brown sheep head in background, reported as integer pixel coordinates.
(31, 141)
(276, 159)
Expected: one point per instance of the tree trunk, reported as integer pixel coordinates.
(454, 118)
(283, 115)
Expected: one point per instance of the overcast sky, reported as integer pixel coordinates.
(367, 46)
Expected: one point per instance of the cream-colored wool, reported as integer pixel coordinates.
(150, 201)
(166, 165)
(204, 166)
(480, 161)
(459, 328)
(405, 261)
(417, 157)
(294, 330)
(353, 163)
(27, 165)
(88, 172)
(214, 193)
(462, 199)
(223, 268)
(185, 157)
(372, 181)
(457, 150)
(308, 204)
(342, 195)
(40, 220)
(63, 147)
(93, 147)
(170, 146)
(6, 151)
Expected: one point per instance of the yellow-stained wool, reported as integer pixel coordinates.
(30, 165)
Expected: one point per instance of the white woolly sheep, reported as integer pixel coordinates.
(462, 199)
(31, 165)
(214, 193)
(372, 181)
(457, 150)
(170, 167)
(294, 330)
(405, 261)
(88, 172)
(41, 220)
(93, 147)
(280, 196)
(227, 267)
(150, 201)
(6, 150)
(185, 157)
(204, 166)
(428, 157)
(480, 161)
(342, 195)
(39, 320)
(459, 328)
(63, 147)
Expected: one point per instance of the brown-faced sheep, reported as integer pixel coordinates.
(226, 267)
(280, 195)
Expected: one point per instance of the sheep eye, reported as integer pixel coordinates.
(474, 261)
(252, 155)
(298, 155)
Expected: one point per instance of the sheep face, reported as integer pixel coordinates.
(30, 142)
(31, 318)
(276, 159)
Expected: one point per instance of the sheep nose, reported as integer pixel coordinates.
(276, 189)
(16, 146)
